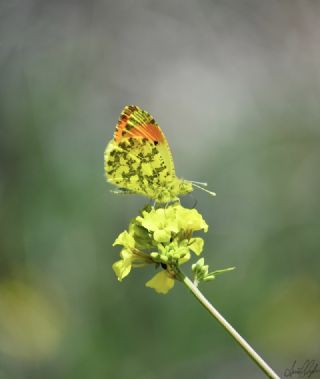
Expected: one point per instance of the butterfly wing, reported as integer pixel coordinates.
(139, 158)
(137, 123)
(136, 167)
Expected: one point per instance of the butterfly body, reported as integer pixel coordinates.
(138, 159)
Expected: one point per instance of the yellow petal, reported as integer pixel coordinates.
(124, 239)
(126, 255)
(162, 235)
(196, 245)
(122, 268)
(161, 282)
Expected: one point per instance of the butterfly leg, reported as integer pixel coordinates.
(172, 202)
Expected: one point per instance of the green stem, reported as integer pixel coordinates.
(229, 328)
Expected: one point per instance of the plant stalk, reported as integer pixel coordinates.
(228, 327)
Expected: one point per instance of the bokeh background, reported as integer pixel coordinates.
(235, 86)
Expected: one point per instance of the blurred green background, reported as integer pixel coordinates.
(235, 86)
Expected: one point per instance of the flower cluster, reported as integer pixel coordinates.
(162, 237)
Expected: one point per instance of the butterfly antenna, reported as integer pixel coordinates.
(200, 183)
(203, 189)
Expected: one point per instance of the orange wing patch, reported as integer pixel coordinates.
(134, 122)
(150, 132)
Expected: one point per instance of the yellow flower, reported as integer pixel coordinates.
(162, 222)
(122, 268)
(190, 219)
(130, 256)
(162, 235)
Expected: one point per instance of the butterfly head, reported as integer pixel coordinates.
(185, 187)
(173, 190)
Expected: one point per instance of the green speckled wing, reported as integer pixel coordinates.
(138, 159)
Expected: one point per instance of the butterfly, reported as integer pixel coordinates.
(138, 159)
